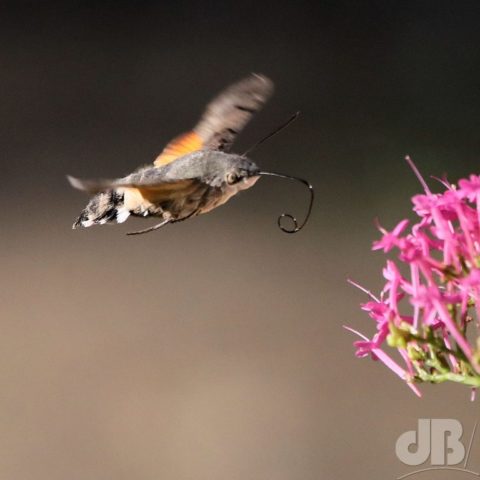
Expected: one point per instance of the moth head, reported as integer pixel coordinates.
(242, 173)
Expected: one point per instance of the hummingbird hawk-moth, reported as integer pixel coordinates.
(194, 173)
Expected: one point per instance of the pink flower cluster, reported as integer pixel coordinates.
(431, 295)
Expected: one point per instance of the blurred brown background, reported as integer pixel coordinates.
(214, 349)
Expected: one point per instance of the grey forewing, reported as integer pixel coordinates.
(228, 113)
(205, 166)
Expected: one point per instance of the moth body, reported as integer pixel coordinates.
(191, 185)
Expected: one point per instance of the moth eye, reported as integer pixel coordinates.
(232, 178)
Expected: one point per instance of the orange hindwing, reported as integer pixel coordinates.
(182, 145)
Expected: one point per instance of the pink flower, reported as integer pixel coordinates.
(366, 347)
(470, 188)
(390, 239)
(440, 282)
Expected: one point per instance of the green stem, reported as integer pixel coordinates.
(450, 377)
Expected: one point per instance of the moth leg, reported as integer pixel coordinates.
(185, 218)
(151, 229)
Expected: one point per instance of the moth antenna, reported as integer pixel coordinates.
(271, 134)
(296, 228)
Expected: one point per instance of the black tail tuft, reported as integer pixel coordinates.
(101, 208)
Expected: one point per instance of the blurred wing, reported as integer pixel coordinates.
(224, 118)
(91, 186)
(150, 186)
